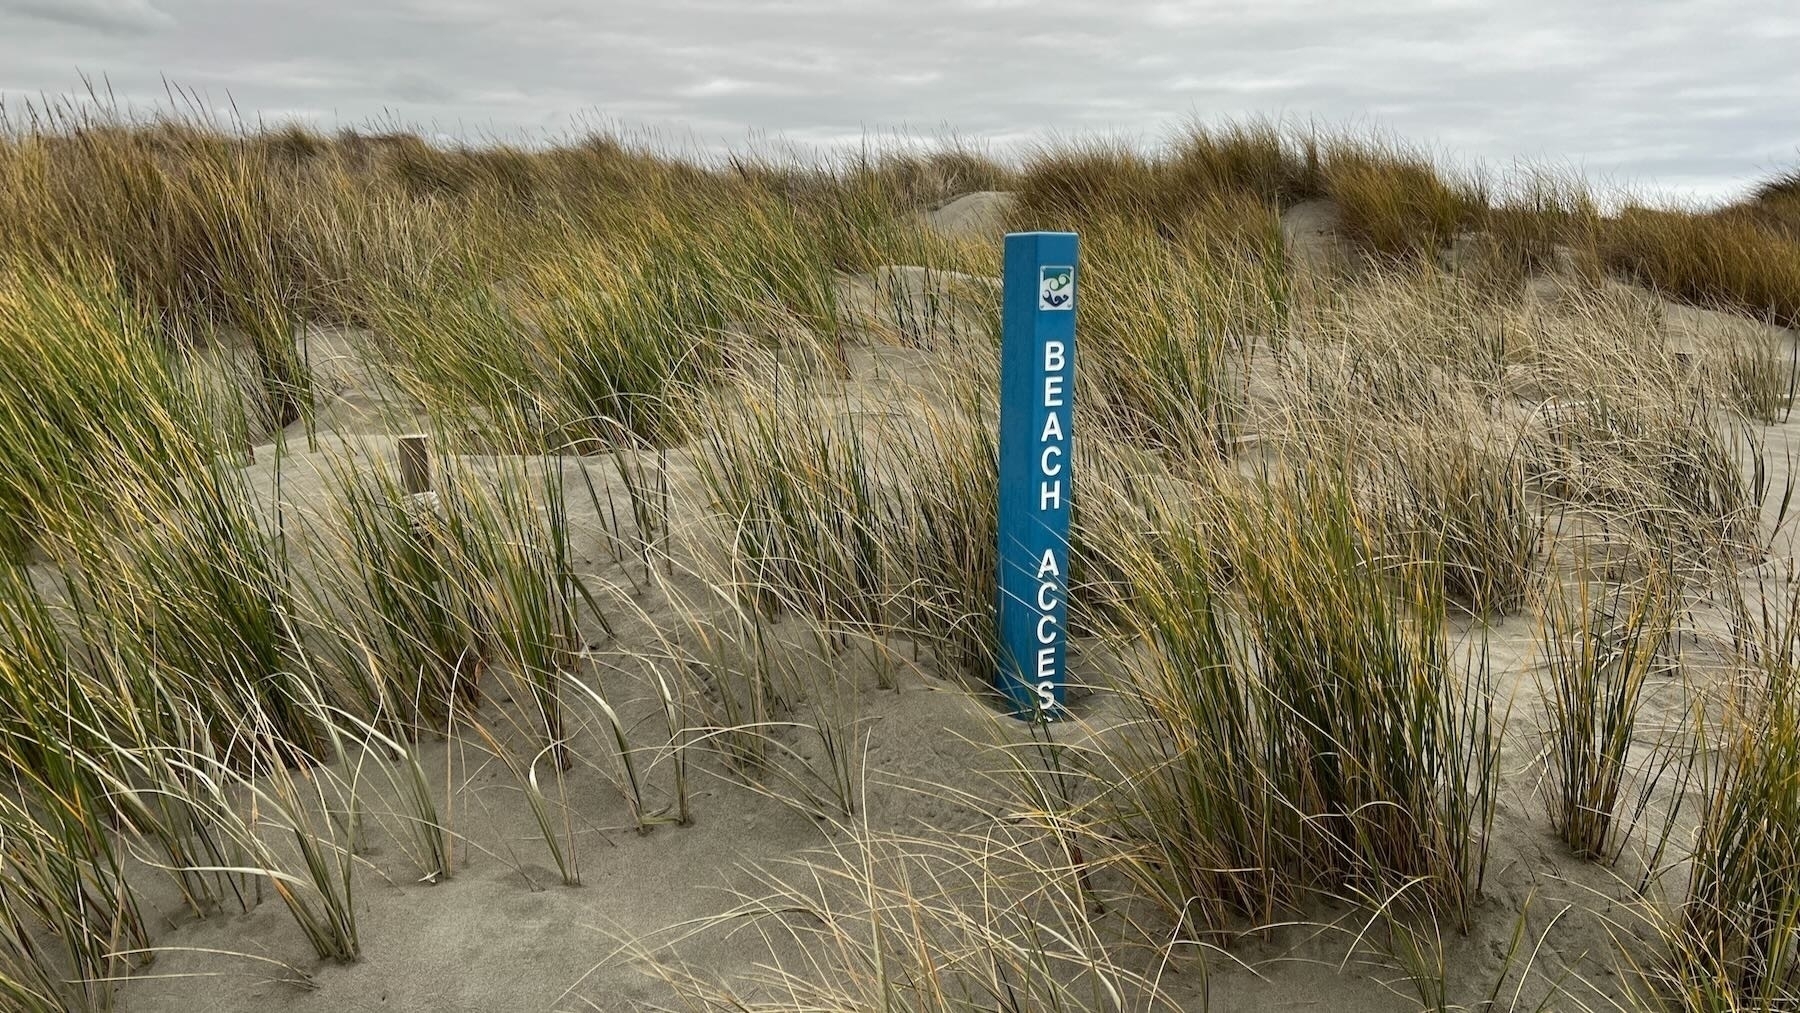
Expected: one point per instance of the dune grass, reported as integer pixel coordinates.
(1727, 258)
(1394, 201)
(1729, 935)
(1308, 496)
(106, 404)
(1303, 725)
(1604, 647)
(887, 922)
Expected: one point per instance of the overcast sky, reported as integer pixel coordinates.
(1678, 97)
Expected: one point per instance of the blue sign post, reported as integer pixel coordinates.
(1037, 479)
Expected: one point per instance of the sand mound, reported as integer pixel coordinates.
(1693, 328)
(350, 397)
(918, 306)
(1314, 239)
(977, 215)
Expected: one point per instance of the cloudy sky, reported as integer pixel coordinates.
(1680, 98)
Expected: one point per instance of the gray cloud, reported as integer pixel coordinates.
(419, 89)
(108, 16)
(1690, 97)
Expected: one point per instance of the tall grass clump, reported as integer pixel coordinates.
(1303, 723)
(862, 212)
(1253, 157)
(1776, 202)
(104, 410)
(1727, 259)
(1462, 507)
(505, 533)
(766, 261)
(1671, 467)
(596, 340)
(950, 545)
(807, 515)
(1396, 203)
(930, 924)
(1184, 792)
(1546, 222)
(1396, 738)
(1756, 373)
(1733, 941)
(65, 908)
(185, 216)
(869, 529)
(1601, 653)
(295, 832)
(501, 173)
(100, 783)
(1065, 187)
(194, 606)
(409, 637)
(1071, 185)
(69, 913)
(1454, 495)
(431, 607)
(1168, 322)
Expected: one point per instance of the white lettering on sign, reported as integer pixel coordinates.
(1052, 465)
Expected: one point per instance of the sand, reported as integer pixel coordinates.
(1310, 231)
(978, 215)
(504, 933)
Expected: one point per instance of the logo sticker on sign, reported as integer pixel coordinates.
(1056, 288)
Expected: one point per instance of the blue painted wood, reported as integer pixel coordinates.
(1037, 477)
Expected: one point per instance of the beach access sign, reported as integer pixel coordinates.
(1037, 478)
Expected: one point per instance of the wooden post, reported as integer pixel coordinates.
(415, 464)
